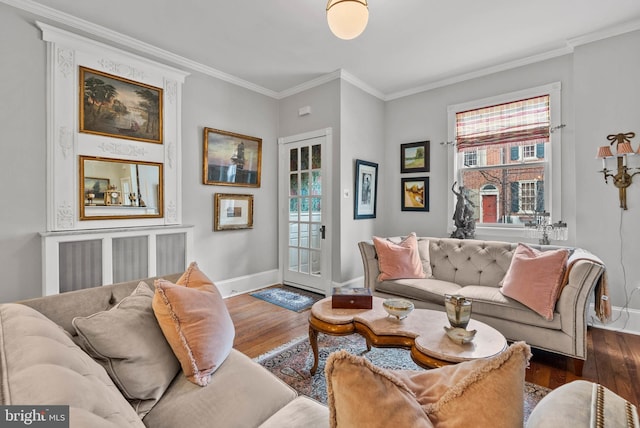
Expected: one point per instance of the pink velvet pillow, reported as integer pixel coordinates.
(487, 392)
(535, 278)
(195, 321)
(398, 260)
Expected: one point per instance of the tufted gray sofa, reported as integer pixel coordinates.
(475, 269)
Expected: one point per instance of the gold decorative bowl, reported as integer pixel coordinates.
(460, 335)
(398, 308)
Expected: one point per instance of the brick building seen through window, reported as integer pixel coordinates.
(501, 159)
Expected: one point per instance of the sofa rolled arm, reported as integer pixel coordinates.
(369, 263)
(574, 299)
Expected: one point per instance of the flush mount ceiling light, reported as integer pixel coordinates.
(347, 18)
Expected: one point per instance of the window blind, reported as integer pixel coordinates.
(518, 122)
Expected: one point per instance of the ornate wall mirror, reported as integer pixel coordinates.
(120, 189)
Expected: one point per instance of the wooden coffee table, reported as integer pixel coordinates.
(422, 332)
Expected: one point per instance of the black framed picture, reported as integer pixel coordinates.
(366, 190)
(415, 194)
(415, 157)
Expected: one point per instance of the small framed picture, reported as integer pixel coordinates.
(415, 194)
(232, 212)
(366, 189)
(231, 159)
(414, 157)
(94, 190)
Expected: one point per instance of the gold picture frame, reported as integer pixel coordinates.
(232, 212)
(231, 159)
(116, 107)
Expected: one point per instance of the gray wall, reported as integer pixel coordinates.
(212, 103)
(362, 137)
(23, 159)
(607, 94)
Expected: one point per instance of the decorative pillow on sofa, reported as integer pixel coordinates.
(485, 392)
(127, 341)
(400, 260)
(534, 278)
(196, 323)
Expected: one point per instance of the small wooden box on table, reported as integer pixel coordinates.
(351, 298)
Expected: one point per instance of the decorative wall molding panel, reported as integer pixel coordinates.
(122, 149)
(67, 52)
(65, 141)
(65, 62)
(121, 69)
(64, 216)
(171, 89)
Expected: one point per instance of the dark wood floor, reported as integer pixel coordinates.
(613, 358)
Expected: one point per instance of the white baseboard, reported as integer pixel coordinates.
(247, 283)
(622, 320)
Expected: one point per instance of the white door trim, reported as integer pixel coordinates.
(283, 210)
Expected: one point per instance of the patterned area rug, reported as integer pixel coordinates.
(291, 363)
(288, 297)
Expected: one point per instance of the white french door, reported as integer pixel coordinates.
(305, 181)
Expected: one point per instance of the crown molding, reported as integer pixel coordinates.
(482, 72)
(348, 77)
(626, 27)
(140, 47)
(337, 74)
(325, 78)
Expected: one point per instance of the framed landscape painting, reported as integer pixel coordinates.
(231, 159)
(116, 107)
(366, 189)
(415, 194)
(414, 157)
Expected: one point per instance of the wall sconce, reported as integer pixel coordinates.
(542, 228)
(622, 179)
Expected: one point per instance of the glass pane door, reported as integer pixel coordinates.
(305, 210)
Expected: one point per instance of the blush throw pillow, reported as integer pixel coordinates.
(127, 341)
(361, 394)
(400, 260)
(534, 278)
(195, 322)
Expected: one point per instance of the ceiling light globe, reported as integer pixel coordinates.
(347, 19)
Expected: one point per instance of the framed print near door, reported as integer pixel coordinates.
(231, 159)
(415, 157)
(232, 212)
(415, 194)
(366, 189)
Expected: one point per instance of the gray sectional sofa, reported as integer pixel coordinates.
(475, 269)
(40, 364)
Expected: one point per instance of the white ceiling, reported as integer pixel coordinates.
(408, 44)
